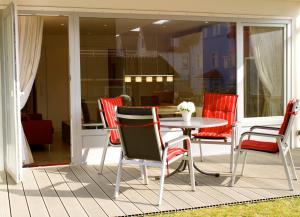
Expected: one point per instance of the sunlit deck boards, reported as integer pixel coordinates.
(80, 191)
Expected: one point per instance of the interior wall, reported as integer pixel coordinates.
(52, 81)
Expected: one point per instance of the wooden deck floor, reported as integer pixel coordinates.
(80, 191)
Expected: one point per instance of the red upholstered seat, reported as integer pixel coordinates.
(175, 151)
(211, 135)
(108, 106)
(218, 105)
(271, 147)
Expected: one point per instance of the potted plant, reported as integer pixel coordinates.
(186, 109)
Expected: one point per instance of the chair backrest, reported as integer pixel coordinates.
(218, 105)
(139, 133)
(290, 112)
(108, 116)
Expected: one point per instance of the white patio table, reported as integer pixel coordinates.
(187, 127)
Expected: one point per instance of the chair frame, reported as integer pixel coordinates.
(107, 137)
(164, 153)
(212, 141)
(231, 142)
(283, 147)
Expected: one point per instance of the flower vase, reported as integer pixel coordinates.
(186, 116)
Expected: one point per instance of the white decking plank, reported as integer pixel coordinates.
(4, 198)
(108, 206)
(71, 204)
(176, 202)
(243, 183)
(123, 203)
(18, 203)
(131, 194)
(35, 201)
(84, 197)
(143, 190)
(54, 205)
(177, 198)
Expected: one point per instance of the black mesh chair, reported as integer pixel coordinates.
(142, 144)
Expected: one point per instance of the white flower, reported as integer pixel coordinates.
(186, 106)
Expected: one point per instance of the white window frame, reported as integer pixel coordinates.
(271, 120)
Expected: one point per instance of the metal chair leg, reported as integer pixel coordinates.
(235, 167)
(145, 175)
(286, 169)
(244, 163)
(200, 149)
(292, 166)
(104, 154)
(162, 180)
(119, 174)
(191, 170)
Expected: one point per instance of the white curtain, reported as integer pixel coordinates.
(30, 43)
(267, 49)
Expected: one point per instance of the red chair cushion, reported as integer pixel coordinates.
(211, 135)
(287, 116)
(175, 151)
(108, 106)
(222, 106)
(271, 147)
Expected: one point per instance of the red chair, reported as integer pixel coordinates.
(223, 106)
(108, 116)
(278, 146)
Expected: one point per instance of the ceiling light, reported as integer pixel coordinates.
(127, 79)
(170, 78)
(159, 79)
(149, 79)
(206, 22)
(138, 79)
(160, 22)
(117, 35)
(62, 24)
(136, 29)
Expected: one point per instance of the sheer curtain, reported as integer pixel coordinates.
(267, 49)
(30, 43)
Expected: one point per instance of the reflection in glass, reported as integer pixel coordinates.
(155, 62)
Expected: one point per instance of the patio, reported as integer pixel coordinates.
(80, 191)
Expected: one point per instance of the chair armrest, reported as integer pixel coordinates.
(109, 129)
(264, 128)
(177, 140)
(249, 133)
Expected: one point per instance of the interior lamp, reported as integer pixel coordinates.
(170, 79)
(149, 79)
(159, 79)
(127, 79)
(138, 79)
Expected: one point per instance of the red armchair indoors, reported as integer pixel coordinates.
(223, 106)
(37, 131)
(279, 145)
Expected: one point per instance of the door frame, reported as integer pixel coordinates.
(12, 155)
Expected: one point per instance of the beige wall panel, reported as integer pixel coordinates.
(254, 7)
